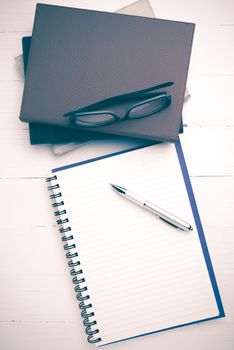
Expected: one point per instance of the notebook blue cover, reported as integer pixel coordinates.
(200, 231)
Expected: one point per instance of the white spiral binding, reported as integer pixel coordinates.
(72, 254)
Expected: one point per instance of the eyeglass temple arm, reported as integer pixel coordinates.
(121, 97)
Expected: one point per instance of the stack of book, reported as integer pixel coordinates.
(80, 60)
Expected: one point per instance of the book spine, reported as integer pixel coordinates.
(76, 271)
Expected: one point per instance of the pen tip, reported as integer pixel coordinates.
(119, 188)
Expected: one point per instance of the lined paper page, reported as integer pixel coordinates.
(142, 274)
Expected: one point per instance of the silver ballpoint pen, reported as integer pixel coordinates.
(161, 213)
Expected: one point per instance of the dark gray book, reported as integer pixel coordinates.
(52, 134)
(79, 57)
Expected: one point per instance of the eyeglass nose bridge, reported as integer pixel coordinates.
(121, 116)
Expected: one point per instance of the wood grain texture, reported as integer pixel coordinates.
(38, 308)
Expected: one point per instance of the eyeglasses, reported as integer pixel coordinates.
(143, 103)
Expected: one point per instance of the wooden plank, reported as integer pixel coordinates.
(17, 16)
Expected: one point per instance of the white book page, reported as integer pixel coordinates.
(142, 274)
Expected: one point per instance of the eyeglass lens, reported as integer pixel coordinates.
(148, 108)
(95, 119)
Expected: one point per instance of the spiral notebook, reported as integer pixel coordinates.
(133, 273)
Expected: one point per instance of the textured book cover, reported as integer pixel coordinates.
(79, 57)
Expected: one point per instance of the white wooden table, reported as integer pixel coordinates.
(38, 309)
